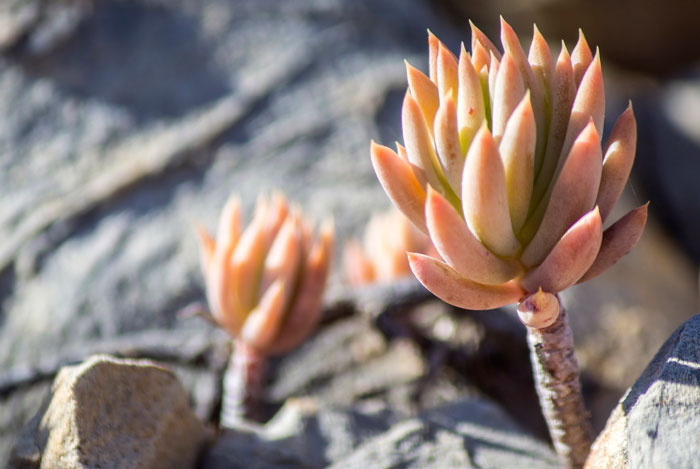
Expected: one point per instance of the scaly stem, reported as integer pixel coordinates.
(558, 386)
(242, 386)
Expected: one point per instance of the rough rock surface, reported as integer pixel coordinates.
(467, 433)
(106, 411)
(656, 424)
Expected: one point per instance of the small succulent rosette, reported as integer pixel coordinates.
(381, 257)
(503, 168)
(265, 284)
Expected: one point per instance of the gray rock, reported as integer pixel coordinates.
(108, 412)
(657, 422)
(468, 433)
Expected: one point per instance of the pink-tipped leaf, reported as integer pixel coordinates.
(517, 149)
(425, 93)
(453, 288)
(484, 196)
(305, 313)
(581, 57)
(617, 163)
(509, 91)
(570, 258)
(618, 240)
(459, 247)
(573, 195)
(400, 184)
(470, 101)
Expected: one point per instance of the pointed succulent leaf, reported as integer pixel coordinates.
(617, 163)
(433, 48)
(246, 263)
(263, 323)
(480, 39)
(517, 149)
(470, 102)
(358, 269)
(229, 228)
(447, 143)
(512, 46)
(451, 287)
(481, 58)
(493, 69)
(447, 73)
(306, 311)
(400, 184)
(618, 240)
(570, 258)
(484, 196)
(425, 93)
(563, 92)
(581, 57)
(573, 195)
(589, 103)
(509, 91)
(460, 248)
(207, 246)
(541, 61)
(282, 261)
(419, 145)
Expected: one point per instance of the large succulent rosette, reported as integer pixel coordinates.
(503, 167)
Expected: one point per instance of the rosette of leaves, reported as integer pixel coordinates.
(264, 286)
(503, 167)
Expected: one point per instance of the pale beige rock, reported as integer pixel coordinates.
(110, 413)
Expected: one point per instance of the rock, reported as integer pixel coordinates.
(105, 411)
(467, 433)
(470, 433)
(656, 423)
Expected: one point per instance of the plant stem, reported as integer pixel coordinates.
(557, 381)
(242, 385)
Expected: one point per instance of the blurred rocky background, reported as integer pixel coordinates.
(126, 121)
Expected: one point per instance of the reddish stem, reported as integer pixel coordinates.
(243, 385)
(557, 380)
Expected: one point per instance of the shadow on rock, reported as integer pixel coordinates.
(151, 60)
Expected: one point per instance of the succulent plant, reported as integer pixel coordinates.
(503, 168)
(381, 257)
(264, 286)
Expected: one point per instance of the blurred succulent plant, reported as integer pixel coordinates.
(264, 286)
(381, 257)
(503, 168)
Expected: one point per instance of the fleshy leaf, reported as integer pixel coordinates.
(479, 37)
(447, 143)
(617, 163)
(400, 184)
(570, 258)
(509, 91)
(581, 57)
(517, 149)
(453, 288)
(306, 311)
(425, 93)
(573, 195)
(263, 323)
(470, 102)
(484, 196)
(418, 141)
(460, 248)
(618, 240)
